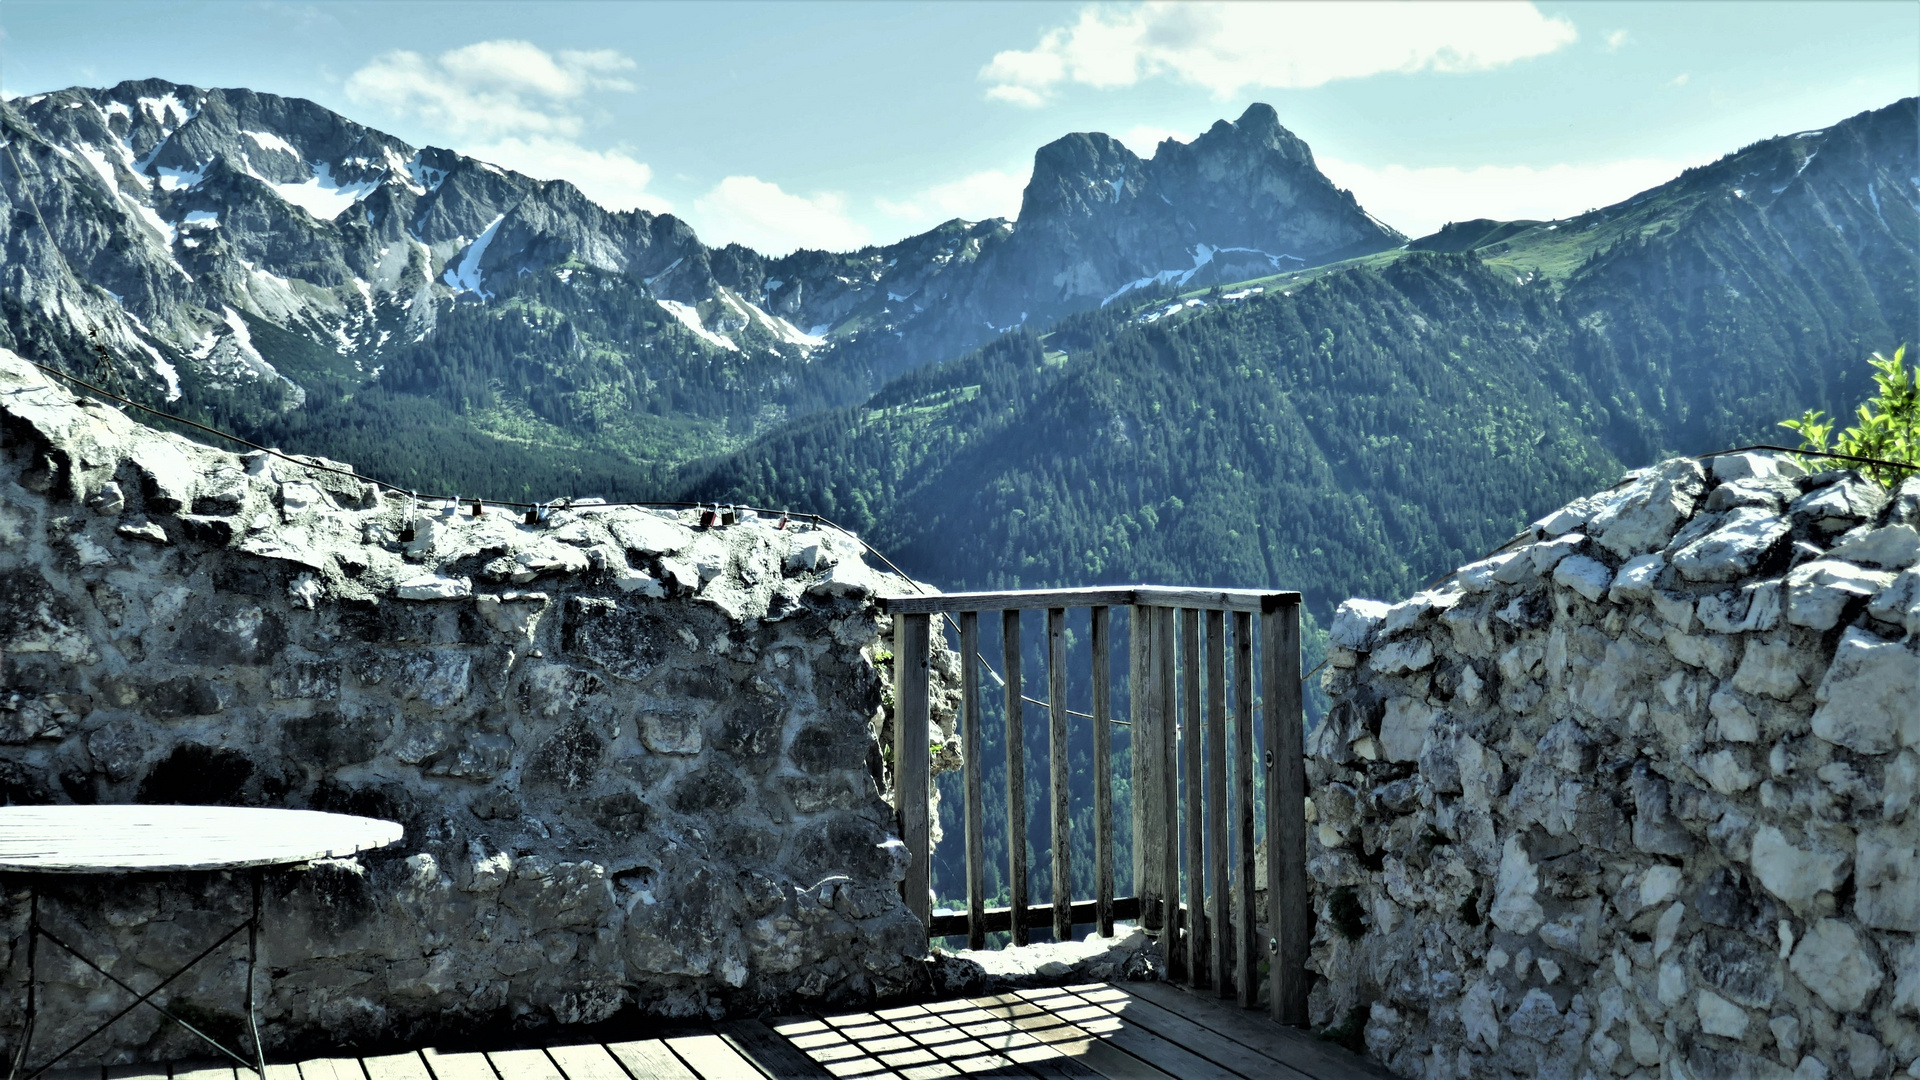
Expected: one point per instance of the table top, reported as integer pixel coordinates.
(135, 839)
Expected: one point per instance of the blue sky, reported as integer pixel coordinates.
(836, 124)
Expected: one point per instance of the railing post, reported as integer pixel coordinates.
(1149, 792)
(1216, 802)
(1290, 920)
(1245, 959)
(1016, 778)
(970, 752)
(911, 644)
(1102, 771)
(1194, 949)
(1168, 824)
(1058, 765)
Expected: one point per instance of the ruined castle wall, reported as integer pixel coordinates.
(1636, 797)
(635, 761)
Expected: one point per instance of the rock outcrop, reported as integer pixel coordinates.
(635, 760)
(1636, 797)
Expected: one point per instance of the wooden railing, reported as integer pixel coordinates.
(1210, 939)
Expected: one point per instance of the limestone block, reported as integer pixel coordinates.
(1354, 622)
(1546, 555)
(1894, 547)
(1566, 519)
(1537, 1017)
(1786, 1035)
(1901, 785)
(1792, 873)
(1899, 603)
(1838, 505)
(1515, 909)
(1588, 577)
(1771, 494)
(1399, 657)
(1480, 576)
(1721, 1017)
(1755, 606)
(1733, 550)
(1867, 697)
(1733, 720)
(1906, 987)
(1736, 969)
(144, 530)
(849, 579)
(1674, 609)
(1409, 613)
(1637, 578)
(648, 533)
(1404, 728)
(1755, 464)
(1887, 876)
(434, 587)
(1819, 592)
(1714, 652)
(1834, 963)
(1772, 666)
(1905, 508)
(1658, 885)
(1644, 516)
(1480, 1013)
(1727, 771)
(1655, 829)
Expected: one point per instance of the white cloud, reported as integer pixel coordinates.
(1615, 39)
(1230, 47)
(986, 194)
(1418, 201)
(754, 212)
(521, 107)
(490, 87)
(1144, 139)
(612, 178)
(1680, 79)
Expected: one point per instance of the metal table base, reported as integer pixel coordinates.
(257, 1062)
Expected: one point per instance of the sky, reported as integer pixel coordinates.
(834, 125)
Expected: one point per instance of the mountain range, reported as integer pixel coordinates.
(1207, 365)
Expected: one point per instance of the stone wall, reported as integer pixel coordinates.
(1636, 797)
(635, 760)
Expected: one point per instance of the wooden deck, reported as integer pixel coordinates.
(1131, 1031)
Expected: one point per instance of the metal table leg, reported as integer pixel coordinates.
(35, 932)
(33, 953)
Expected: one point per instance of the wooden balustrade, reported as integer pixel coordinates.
(1193, 760)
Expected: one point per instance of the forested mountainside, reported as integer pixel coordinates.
(1358, 429)
(268, 265)
(1207, 365)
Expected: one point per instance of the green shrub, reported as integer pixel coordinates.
(1889, 427)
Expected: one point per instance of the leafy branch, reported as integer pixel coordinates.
(1889, 427)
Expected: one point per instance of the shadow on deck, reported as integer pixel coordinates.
(1132, 1031)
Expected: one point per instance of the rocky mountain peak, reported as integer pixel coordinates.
(1242, 200)
(1077, 172)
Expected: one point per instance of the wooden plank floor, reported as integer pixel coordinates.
(1129, 1031)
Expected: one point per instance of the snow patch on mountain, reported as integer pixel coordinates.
(166, 111)
(690, 318)
(172, 179)
(321, 196)
(267, 140)
(466, 277)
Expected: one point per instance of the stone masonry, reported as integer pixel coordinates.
(1636, 797)
(635, 760)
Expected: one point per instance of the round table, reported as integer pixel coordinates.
(118, 840)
